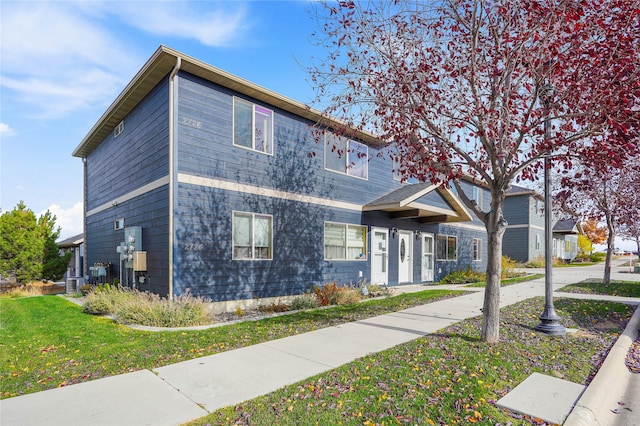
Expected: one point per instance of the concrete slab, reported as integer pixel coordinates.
(548, 398)
(229, 378)
(139, 398)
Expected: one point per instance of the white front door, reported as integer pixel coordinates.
(427, 257)
(379, 257)
(405, 251)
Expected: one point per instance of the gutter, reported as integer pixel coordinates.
(172, 172)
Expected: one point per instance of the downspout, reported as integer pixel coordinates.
(172, 177)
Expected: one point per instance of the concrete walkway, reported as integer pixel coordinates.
(188, 390)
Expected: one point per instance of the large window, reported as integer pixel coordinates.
(345, 242)
(346, 156)
(252, 126)
(447, 247)
(477, 249)
(252, 236)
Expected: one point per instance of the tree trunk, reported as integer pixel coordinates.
(610, 246)
(496, 226)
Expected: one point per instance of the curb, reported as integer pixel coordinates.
(594, 402)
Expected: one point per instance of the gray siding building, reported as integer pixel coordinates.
(199, 181)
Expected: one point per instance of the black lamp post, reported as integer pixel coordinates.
(549, 320)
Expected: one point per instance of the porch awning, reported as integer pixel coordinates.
(423, 201)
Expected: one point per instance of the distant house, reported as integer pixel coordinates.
(565, 239)
(74, 276)
(197, 180)
(524, 238)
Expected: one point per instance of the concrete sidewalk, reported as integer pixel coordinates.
(188, 390)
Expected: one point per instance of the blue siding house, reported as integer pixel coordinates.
(199, 181)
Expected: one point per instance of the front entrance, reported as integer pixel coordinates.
(405, 265)
(427, 257)
(379, 257)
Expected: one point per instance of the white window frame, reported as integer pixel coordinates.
(270, 142)
(476, 194)
(118, 129)
(118, 224)
(345, 240)
(253, 216)
(447, 239)
(346, 156)
(477, 249)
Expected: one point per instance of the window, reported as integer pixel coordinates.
(118, 224)
(447, 248)
(346, 156)
(397, 174)
(537, 241)
(118, 129)
(476, 194)
(252, 236)
(252, 126)
(345, 242)
(477, 249)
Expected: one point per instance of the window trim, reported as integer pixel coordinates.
(252, 125)
(477, 249)
(446, 237)
(365, 233)
(118, 224)
(117, 131)
(346, 156)
(253, 251)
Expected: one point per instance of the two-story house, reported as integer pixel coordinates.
(524, 237)
(197, 180)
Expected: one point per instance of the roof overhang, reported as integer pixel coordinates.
(408, 207)
(162, 62)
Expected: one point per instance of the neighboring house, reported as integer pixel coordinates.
(74, 277)
(565, 239)
(524, 238)
(197, 180)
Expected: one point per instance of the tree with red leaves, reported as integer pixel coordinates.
(462, 88)
(611, 194)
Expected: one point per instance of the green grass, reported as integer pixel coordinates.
(47, 342)
(445, 378)
(614, 288)
(509, 281)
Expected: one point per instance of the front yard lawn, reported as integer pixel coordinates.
(614, 288)
(47, 342)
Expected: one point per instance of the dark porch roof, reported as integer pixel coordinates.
(410, 202)
(76, 240)
(566, 226)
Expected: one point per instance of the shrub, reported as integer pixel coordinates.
(464, 276)
(597, 257)
(304, 301)
(105, 298)
(152, 310)
(376, 290)
(274, 307)
(328, 294)
(347, 296)
(508, 267)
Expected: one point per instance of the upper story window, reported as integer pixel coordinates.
(252, 236)
(476, 194)
(252, 126)
(477, 249)
(118, 129)
(346, 156)
(397, 174)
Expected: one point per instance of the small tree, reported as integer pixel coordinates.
(463, 87)
(596, 233)
(585, 246)
(27, 245)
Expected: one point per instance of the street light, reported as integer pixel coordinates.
(549, 320)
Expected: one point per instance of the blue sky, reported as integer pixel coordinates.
(62, 63)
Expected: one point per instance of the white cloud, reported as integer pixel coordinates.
(6, 130)
(69, 220)
(189, 20)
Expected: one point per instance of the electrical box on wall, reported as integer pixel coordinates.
(139, 261)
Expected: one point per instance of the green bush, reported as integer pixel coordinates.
(597, 257)
(463, 276)
(304, 301)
